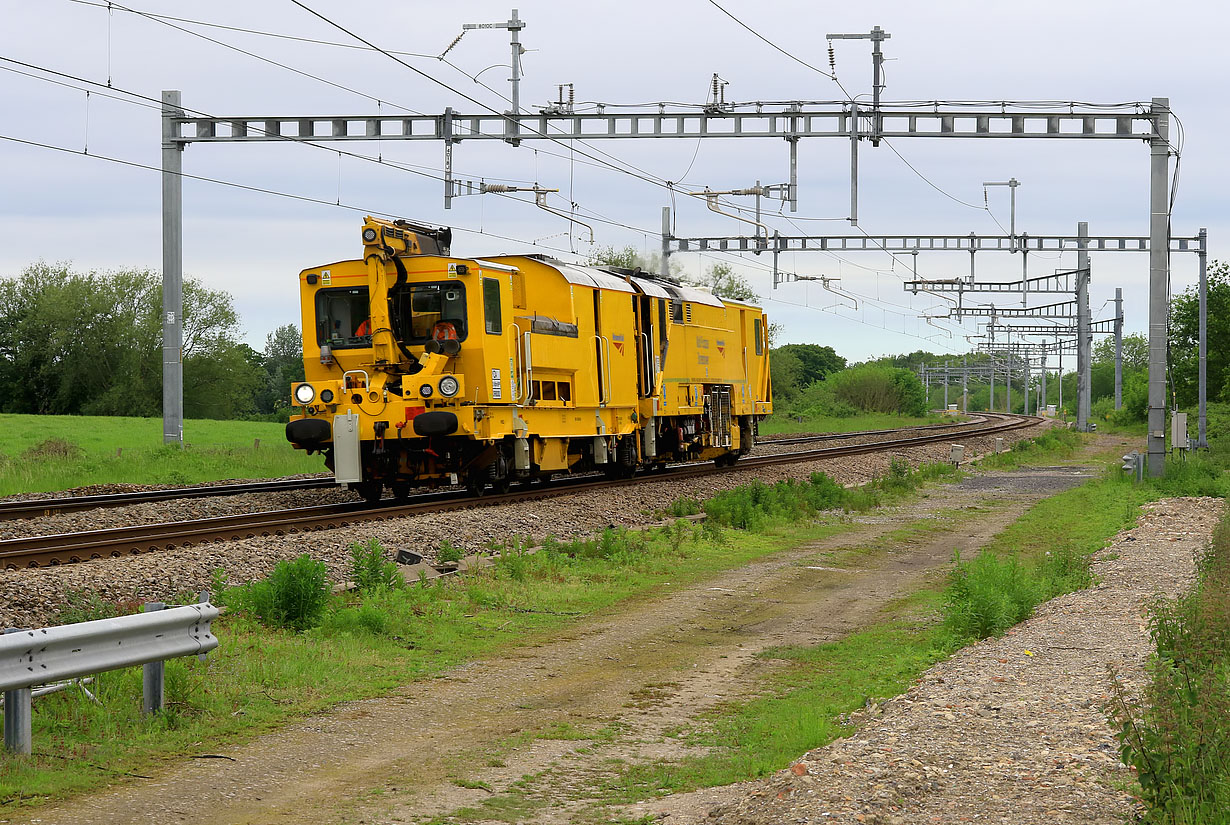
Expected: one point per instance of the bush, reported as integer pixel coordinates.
(1177, 735)
(819, 400)
(990, 594)
(686, 506)
(880, 388)
(369, 570)
(987, 596)
(294, 596)
(752, 506)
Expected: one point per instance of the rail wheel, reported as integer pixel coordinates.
(401, 490)
(369, 491)
(476, 484)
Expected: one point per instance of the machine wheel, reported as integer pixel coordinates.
(625, 457)
(498, 475)
(369, 491)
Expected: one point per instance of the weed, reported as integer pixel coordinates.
(678, 533)
(88, 605)
(52, 448)
(686, 506)
(369, 570)
(446, 553)
(294, 596)
(988, 595)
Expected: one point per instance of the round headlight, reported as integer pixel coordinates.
(369, 235)
(425, 390)
(304, 393)
(449, 386)
(326, 396)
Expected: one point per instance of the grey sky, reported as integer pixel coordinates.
(100, 215)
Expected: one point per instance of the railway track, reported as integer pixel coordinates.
(859, 433)
(39, 551)
(40, 508)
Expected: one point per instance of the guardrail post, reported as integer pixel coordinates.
(152, 693)
(17, 718)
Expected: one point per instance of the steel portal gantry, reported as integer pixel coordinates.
(1043, 120)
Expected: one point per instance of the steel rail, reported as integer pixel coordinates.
(39, 551)
(42, 507)
(858, 433)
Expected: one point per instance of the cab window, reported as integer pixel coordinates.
(491, 306)
(427, 311)
(343, 318)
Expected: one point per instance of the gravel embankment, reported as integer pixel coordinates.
(31, 597)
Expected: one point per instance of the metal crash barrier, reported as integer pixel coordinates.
(71, 651)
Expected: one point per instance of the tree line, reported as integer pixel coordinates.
(90, 343)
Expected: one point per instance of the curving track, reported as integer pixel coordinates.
(41, 551)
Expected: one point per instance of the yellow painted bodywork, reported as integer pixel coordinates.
(562, 363)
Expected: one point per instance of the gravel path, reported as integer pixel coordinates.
(1007, 731)
(32, 597)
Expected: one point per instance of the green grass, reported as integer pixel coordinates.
(83, 451)
(1056, 443)
(781, 423)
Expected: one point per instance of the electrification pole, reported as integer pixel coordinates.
(172, 274)
(666, 241)
(965, 386)
(1159, 276)
(1118, 348)
(1083, 336)
(1042, 405)
(1201, 439)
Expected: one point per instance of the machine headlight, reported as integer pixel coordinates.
(369, 235)
(449, 386)
(425, 390)
(304, 393)
(326, 396)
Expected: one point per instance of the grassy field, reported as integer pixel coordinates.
(781, 423)
(42, 453)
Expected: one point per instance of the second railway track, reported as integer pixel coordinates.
(49, 550)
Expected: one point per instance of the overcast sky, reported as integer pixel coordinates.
(59, 206)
